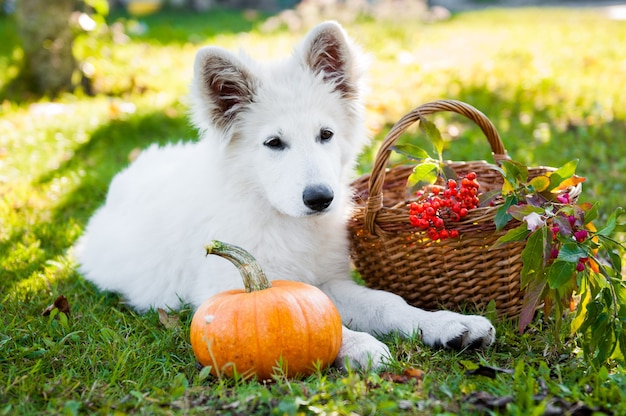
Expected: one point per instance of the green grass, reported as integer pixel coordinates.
(551, 81)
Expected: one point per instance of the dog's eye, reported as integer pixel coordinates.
(326, 134)
(274, 143)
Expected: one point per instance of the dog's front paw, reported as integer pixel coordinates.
(362, 351)
(456, 331)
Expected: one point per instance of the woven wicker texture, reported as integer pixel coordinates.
(392, 255)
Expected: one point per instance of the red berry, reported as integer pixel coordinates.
(580, 235)
(433, 234)
(454, 233)
(471, 176)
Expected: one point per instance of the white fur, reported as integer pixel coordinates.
(147, 241)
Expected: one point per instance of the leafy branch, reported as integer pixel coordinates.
(567, 262)
(428, 169)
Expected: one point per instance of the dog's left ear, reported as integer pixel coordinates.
(328, 51)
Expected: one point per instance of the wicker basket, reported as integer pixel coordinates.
(392, 255)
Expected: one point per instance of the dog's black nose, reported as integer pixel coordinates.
(317, 197)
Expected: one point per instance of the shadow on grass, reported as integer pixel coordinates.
(180, 26)
(46, 237)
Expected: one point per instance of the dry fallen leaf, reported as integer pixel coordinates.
(169, 322)
(61, 303)
(406, 376)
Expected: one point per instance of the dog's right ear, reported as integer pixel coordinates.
(222, 87)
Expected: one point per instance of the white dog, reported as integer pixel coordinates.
(271, 174)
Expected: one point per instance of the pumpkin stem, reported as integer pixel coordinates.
(254, 278)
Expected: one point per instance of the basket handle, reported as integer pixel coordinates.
(377, 178)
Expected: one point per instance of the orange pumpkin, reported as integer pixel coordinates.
(288, 325)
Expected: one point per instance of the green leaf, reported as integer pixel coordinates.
(593, 311)
(615, 260)
(532, 256)
(514, 234)
(502, 216)
(411, 151)
(622, 342)
(604, 335)
(469, 365)
(433, 134)
(564, 172)
(205, 372)
(619, 288)
(591, 214)
(560, 273)
(571, 252)
(514, 172)
(613, 223)
(620, 215)
(424, 172)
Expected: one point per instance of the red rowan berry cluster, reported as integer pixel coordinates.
(441, 204)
